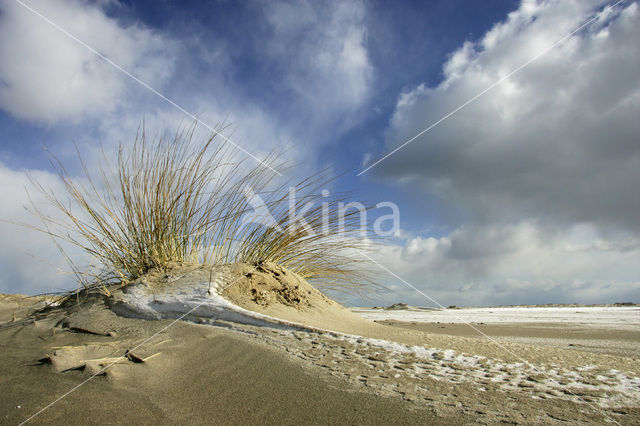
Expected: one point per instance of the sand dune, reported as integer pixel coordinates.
(263, 346)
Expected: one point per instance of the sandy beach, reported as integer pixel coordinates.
(240, 358)
(613, 330)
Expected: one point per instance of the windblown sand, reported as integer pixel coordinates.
(318, 362)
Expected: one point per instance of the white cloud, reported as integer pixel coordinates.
(516, 263)
(322, 45)
(46, 76)
(557, 140)
(544, 168)
(29, 261)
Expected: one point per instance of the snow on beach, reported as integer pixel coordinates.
(201, 302)
(618, 317)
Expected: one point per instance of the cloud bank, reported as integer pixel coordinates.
(48, 77)
(546, 162)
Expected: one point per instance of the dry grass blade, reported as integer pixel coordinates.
(173, 202)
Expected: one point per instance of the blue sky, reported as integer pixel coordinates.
(528, 195)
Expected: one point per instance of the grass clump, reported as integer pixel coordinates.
(173, 202)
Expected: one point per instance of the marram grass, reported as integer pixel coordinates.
(173, 202)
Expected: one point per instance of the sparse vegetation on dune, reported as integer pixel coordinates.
(173, 201)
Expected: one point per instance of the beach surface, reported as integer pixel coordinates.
(187, 348)
(613, 330)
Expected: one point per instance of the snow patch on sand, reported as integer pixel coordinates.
(198, 302)
(607, 316)
(201, 302)
(606, 388)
